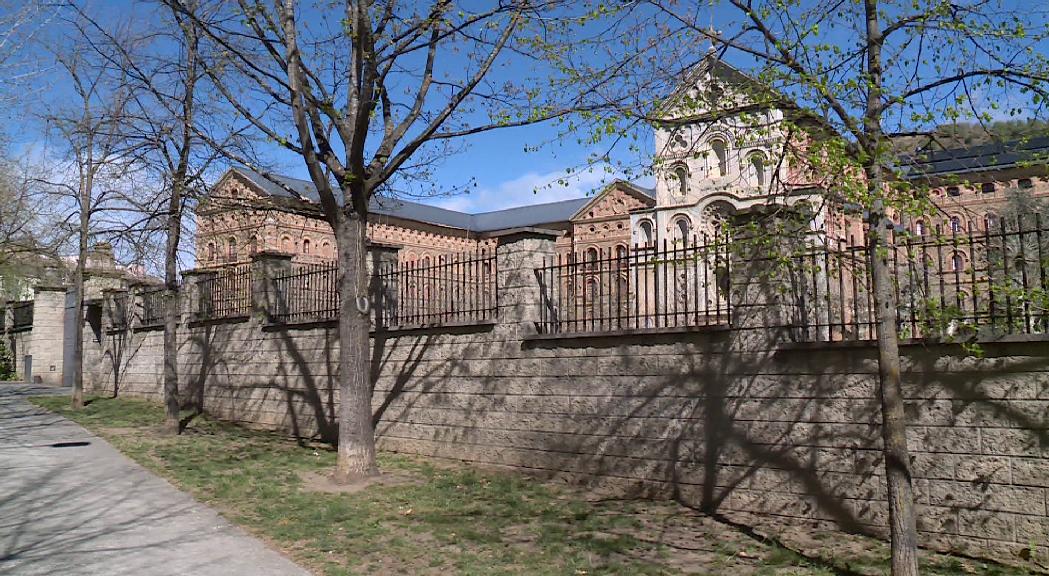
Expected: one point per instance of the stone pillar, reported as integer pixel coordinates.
(48, 345)
(518, 254)
(265, 266)
(383, 295)
(760, 282)
(191, 292)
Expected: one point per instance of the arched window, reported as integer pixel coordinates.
(956, 224)
(621, 256)
(991, 221)
(720, 149)
(683, 228)
(681, 177)
(326, 249)
(285, 244)
(957, 262)
(211, 252)
(919, 228)
(306, 246)
(646, 235)
(231, 250)
(591, 258)
(757, 168)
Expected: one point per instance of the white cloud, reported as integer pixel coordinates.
(531, 188)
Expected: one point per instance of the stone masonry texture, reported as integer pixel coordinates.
(732, 420)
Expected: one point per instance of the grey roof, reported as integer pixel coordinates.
(524, 216)
(977, 158)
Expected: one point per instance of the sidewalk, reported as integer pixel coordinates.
(71, 504)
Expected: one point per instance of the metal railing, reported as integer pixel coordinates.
(451, 289)
(21, 314)
(953, 284)
(677, 285)
(153, 306)
(225, 293)
(309, 294)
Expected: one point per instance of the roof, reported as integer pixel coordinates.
(524, 216)
(995, 156)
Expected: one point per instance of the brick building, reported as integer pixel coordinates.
(722, 153)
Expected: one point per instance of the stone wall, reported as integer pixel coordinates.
(732, 420)
(44, 339)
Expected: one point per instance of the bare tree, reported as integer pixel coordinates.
(96, 156)
(369, 92)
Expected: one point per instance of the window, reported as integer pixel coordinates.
(232, 249)
(987, 188)
(591, 258)
(757, 169)
(956, 224)
(621, 256)
(721, 152)
(919, 228)
(211, 252)
(1025, 183)
(681, 176)
(285, 244)
(991, 221)
(953, 191)
(253, 246)
(326, 250)
(306, 246)
(645, 232)
(684, 228)
(957, 262)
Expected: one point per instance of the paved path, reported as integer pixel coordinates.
(71, 504)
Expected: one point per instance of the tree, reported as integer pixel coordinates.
(98, 159)
(869, 71)
(372, 93)
(178, 138)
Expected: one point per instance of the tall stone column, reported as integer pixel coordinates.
(48, 345)
(518, 254)
(383, 292)
(265, 266)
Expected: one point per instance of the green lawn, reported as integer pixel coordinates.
(438, 518)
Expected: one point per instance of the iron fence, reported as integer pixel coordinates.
(677, 285)
(955, 284)
(309, 294)
(225, 293)
(21, 314)
(451, 289)
(153, 306)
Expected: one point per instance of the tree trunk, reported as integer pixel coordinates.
(356, 455)
(898, 480)
(86, 185)
(171, 314)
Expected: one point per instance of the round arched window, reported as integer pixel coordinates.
(683, 228)
(757, 169)
(720, 149)
(306, 246)
(681, 179)
(231, 250)
(645, 229)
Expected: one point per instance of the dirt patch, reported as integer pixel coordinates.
(314, 481)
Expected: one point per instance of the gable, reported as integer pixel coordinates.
(618, 199)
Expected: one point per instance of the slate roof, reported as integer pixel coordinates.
(995, 156)
(534, 215)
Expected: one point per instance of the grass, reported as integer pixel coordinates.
(452, 519)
